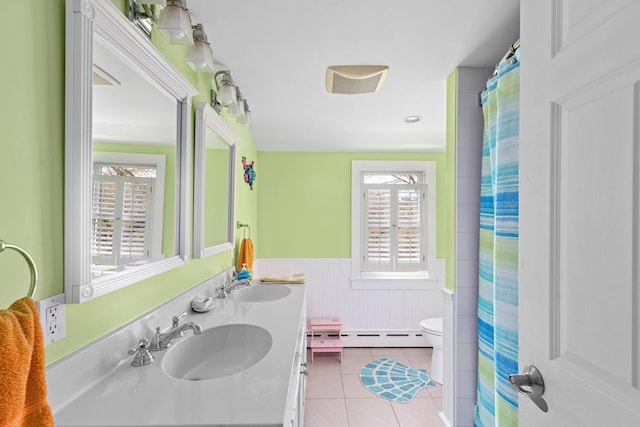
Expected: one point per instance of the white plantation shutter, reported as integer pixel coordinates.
(121, 219)
(103, 220)
(135, 221)
(408, 228)
(378, 229)
(393, 223)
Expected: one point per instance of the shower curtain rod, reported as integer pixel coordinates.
(508, 55)
(505, 58)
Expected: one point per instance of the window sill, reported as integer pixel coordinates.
(432, 281)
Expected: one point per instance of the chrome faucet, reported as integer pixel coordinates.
(162, 340)
(226, 290)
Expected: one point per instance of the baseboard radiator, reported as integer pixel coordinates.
(379, 338)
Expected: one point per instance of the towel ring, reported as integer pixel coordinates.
(32, 265)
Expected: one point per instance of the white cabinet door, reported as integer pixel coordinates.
(580, 210)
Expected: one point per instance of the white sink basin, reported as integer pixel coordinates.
(261, 293)
(217, 352)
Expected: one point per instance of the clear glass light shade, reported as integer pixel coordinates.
(244, 119)
(175, 25)
(227, 95)
(237, 109)
(200, 58)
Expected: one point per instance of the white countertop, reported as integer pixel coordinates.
(146, 396)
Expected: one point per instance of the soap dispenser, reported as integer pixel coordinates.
(244, 273)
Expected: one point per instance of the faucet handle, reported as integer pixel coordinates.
(142, 354)
(222, 291)
(176, 319)
(155, 341)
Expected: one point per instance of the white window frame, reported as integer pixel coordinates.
(427, 279)
(157, 215)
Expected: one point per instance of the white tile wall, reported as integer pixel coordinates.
(467, 189)
(466, 274)
(467, 245)
(467, 304)
(467, 217)
(469, 123)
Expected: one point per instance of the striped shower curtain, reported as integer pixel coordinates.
(497, 401)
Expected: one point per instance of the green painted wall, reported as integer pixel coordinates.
(32, 179)
(305, 202)
(31, 146)
(303, 198)
(216, 190)
(452, 87)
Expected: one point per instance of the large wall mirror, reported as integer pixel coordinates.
(214, 160)
(127, 154)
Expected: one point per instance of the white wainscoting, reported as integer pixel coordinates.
(370, 318)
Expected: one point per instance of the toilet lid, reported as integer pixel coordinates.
(433, 325)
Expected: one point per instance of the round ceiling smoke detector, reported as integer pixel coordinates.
(355, 79)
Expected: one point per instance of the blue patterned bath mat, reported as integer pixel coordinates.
(393, 380)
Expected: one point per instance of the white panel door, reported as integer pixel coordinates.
(580, 210)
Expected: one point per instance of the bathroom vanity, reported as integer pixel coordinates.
(246, 368)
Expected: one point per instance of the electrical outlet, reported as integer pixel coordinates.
(51, 311)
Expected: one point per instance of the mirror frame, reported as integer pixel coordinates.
(84, 19)
(208, 118)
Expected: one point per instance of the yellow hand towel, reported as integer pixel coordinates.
(23, 389)
(245, 255)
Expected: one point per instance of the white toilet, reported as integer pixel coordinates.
(432, 333)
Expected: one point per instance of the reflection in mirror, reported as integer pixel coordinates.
(129, 224)
(126, 154)
(213, 183)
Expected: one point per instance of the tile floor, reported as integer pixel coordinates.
(335, 397)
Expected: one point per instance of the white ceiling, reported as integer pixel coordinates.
(116, 108)
(278, 52)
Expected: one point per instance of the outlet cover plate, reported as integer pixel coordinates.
(52, 318)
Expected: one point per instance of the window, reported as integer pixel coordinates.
(393, 225)
(126, 225)
(392, 218)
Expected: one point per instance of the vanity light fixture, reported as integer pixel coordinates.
(245, 118)
(200, 56)
(237, 110)
(213, 102)
(175, 23)
(144, 13)
(227, 93)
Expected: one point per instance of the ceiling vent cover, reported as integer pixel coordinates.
(353, 79)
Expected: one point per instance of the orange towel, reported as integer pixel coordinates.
(23, 389)
(245, 256)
